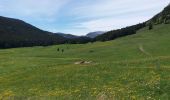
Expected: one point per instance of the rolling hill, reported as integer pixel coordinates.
(161, 18)
(17, 33)
(131, 67)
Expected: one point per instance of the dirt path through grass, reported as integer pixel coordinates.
(144, 51)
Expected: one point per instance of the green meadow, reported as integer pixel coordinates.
(135, 67)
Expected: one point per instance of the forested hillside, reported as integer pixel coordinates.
(161, 18)
(17, 33)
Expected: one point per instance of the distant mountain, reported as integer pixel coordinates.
(95, 34)
(17, 33)
(162, 17)
(68, 36)
(73, 39)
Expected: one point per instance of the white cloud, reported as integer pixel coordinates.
(104, 8)
(33, 8)
(81, 16)
(106, 24)
(112, 14)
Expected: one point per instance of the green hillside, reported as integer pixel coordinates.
(161, 18)
(16, 33)
(133, 67)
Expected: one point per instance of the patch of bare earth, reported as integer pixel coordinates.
(82, 62)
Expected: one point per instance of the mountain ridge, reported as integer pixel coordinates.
(18, 33)
(95, 34)
(161, 18)
(69, 36)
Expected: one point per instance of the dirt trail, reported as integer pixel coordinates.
(143, 50)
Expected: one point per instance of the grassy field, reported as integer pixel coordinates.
(135, 67)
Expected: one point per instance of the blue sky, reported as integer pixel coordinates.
(81, 16)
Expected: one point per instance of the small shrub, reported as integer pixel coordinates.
(91, 51)
(62, 50)
(58, 49)
(150, 26)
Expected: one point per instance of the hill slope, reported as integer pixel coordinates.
(132, 67)
(17, 33)
(162, 17)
